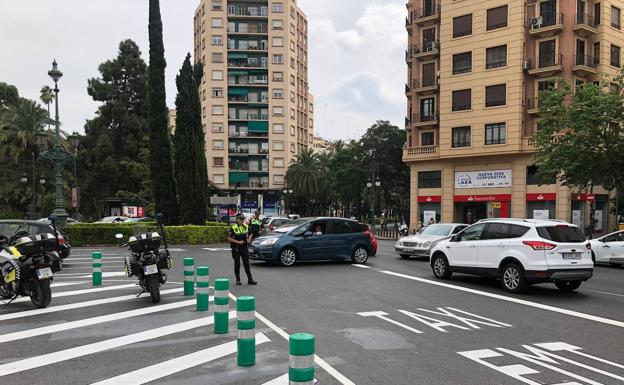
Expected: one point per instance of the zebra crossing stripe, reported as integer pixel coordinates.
(61, 284)
(28, 333)
(100, 346)
(84, 291)
(77, 305)
(178, 364)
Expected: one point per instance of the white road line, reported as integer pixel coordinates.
(83, 275)
(84, 291)
(85, 258)
(361, 266)
(605, 292)
(61, 284)
(89, 268)
(537, 305)
(100, 346)
(34, 332)
(89, 262)
(318, 360)
(77, 305)
(178, 364)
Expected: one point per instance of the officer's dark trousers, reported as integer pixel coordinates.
(238, 253)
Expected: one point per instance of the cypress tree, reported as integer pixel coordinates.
(161, 162)
(190, 158)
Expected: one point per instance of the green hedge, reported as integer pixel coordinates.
(104, 234)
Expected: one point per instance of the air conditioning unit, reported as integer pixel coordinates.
(536, 22)
(525, 65)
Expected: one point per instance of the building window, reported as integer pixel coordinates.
(547, 56)
(217, 6)
(278, 162)
(496, 18)
(278, 59)
(278, 128)
(615, 56)
(217, 145)
(430, 179)
(277, 24)
(292, 79)
(462, 100)
(495, 133)
(292, 130)
(533, 178)
(496, 57)
(462, 25)
(292, 148)
(217, 127)
(292, 45)
(462, 63)
(218, 179)
(427, 139)
(217, 57)
(615, 17)
(216, 22)
(496, 95)
(278, 42)
(217, 110)
(597, 53)
(461, 137)
(597, 14)
(292, 113)
(217, 75)
(278, 145)
(217, 40)
(278, 179)
(292, 96)
(278, 111)
(278, 7)
(217, 92)
(217, 162)
(278, 93)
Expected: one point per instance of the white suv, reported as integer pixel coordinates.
(519, 252)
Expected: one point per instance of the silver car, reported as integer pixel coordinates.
(420, 245)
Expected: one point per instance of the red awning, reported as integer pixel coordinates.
(482, 198)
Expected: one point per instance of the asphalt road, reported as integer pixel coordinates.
(390, 322)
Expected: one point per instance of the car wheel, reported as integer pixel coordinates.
(287, 257)
(404, 256)
(512, 278)
(568, 286)
(360, 255)
(440, 267)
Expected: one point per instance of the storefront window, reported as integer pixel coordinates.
(428, 211)
(541, 210)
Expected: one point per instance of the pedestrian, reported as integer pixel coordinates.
(255, 226)
(239, 238)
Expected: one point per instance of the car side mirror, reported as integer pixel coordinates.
(455, 238)
(119, 236)
(307, 234)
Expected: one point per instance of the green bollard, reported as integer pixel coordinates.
(222, 306)
(97, 268)
(203, 283)
(246, 325)
(189, 276)
(301, 359)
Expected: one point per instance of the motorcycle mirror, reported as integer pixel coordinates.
(119, 236)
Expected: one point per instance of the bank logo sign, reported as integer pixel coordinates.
(483, 179)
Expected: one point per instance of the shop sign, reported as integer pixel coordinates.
(496, 205)
(133, 211)
(541, 197)
(483, 179)
(483, 198)
(429, 199)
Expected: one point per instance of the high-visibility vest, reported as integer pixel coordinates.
(240, 230)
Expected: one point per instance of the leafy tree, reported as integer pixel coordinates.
(8, 95)
(190, 158)
(579, 140)
(161, 162)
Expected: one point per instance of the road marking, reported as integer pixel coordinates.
(82, 275)
(100, 346)
(318, 360)
(84, 291)
(361, 266)
(72, 258)
(537, 305)
(77, 305)
(382, 315)
(605, 292)
(61, 284)
(178, 364)
(217, 249)
(89, 262)
(88, 268)
(93, 321)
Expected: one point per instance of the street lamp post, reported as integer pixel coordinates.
(370, 185)
(74, 141)
(286, 192)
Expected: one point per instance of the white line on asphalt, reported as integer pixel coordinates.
(84, 291)
(89, 268)
(61, 284)
(537, 305)
(100, 346)
(605, 292)
(93, 321)
(77, 305)
(72, 258)
(89, 262)
(319, 361)
(82, 275)
(361, 266)
(178, 364)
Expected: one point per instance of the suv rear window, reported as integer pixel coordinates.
(561, 233)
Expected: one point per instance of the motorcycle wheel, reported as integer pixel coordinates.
(153, 287)
(42, 295)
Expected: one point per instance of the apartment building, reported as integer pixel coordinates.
(475, 68)
(257, 112)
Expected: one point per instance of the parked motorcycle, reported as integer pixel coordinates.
(404, 230)
(27, 266)
(146, 261)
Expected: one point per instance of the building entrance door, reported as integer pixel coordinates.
(470, 212)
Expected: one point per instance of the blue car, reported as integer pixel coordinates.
(315, 239)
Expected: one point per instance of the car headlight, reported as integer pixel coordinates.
(426, 244)
(399, 244)
(268, 242)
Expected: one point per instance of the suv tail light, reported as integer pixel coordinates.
(539, 245)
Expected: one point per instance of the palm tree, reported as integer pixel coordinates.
(47, 97)
(303, 176)
(20, 124)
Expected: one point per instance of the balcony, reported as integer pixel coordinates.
(247, 117)
(585, 65)
(545, 65)
(424, 51)
(247, 134)
(546, 25)
(585, 24)
(247, 99)
(248, 12)
(425, 120)
(249, 30)
(425, 86)
(262, 47)
(248, 63)
(249, 83)
(532, 105)
(426, 14)
(420, 153)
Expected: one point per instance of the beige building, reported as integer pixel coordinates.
(321, 145)
(256, 107)
(475, 69)
(172, 121)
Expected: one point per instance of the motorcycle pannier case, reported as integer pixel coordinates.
(144, 242)
(36, 244)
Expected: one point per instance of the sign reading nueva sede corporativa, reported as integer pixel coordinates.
(483, 179)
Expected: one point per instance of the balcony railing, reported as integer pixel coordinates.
(545, 61)
(247, 99)
(546, 20)
(424, 83)
(433, 10)
(420, 152)
(248, 11)
(423, 118)
(532, 103)
(585, 60)
(248, 63)
(248, 83)
(261, 47)
(585, 19)
(258, 28)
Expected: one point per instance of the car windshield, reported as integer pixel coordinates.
(441, 230)
(562, 233)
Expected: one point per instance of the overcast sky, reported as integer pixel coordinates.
(356, 66)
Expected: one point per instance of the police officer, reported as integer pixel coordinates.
(255, 225)
(239, 237)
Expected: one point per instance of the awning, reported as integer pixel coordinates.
(237, 91)
(236, 177)
(237, 72)
(237, 55)
(258, 126)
